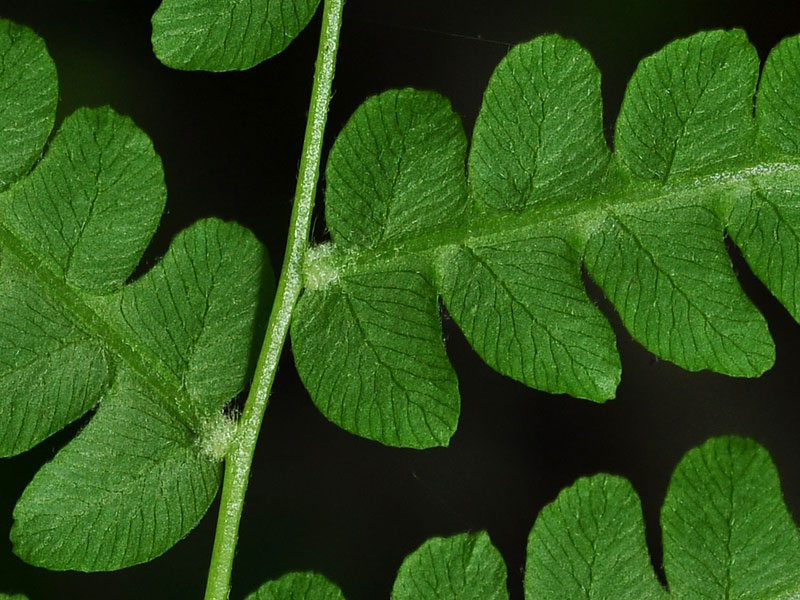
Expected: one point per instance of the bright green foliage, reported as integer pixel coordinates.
(726, 531)
(727, 534)
(778, 94)
(226, 35)
(688, 108)
(13, 597)
(108, 170)
(765, 221)
(545, 195)
(369, 344)
(589, 543)
(461, 567)
(298, 586)
(396, 171)
(72, 228)
(122, 492)
(519, 298)
(524, 117)
(161, 355)
(28, 84)
(687, 114)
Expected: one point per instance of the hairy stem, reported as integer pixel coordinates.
(240, 456)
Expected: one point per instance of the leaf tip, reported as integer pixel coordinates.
(606, 387)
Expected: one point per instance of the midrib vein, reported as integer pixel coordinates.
(566, 218)
(147, 365)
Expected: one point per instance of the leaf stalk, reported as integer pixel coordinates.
(240, 456)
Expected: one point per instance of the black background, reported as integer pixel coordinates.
(320, 498)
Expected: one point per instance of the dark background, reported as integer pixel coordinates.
(320, 498)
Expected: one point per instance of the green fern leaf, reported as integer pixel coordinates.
(726, 531)
(517, 295)
(465, 566)
(460, 567)
(764, 219)
(161, 355)
(368, 341)
(298, 586)
(545, 195)
(226, 35)
(589, 543)
(28, 78)
(660, 258)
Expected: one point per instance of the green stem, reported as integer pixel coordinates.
(240, 457)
